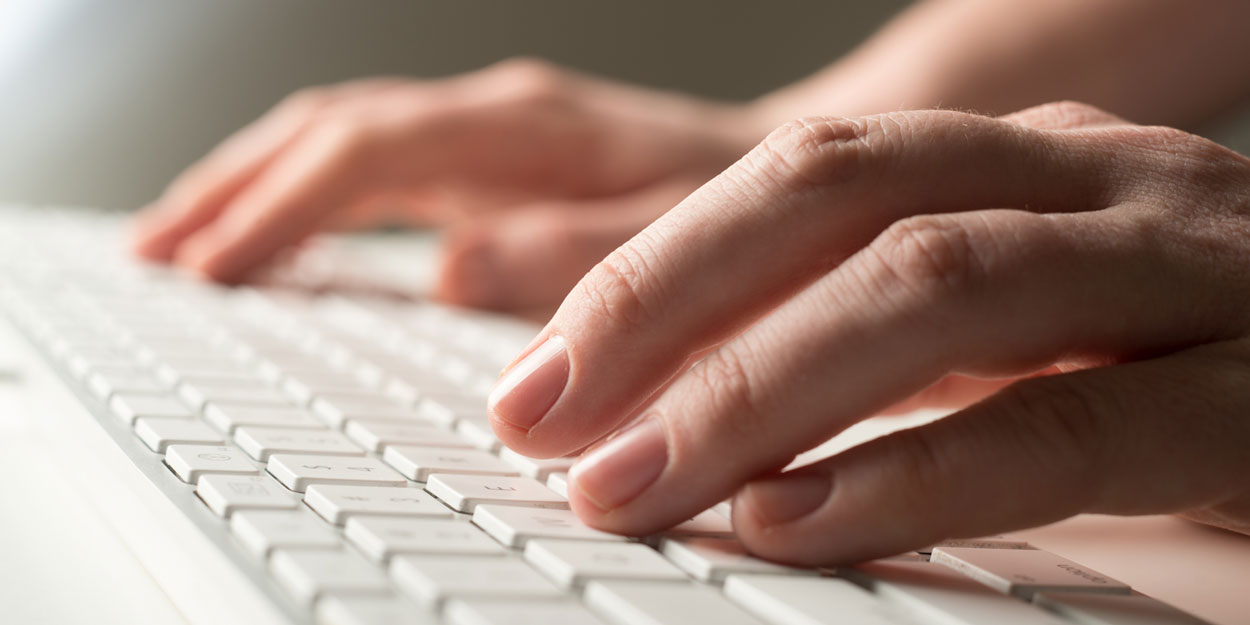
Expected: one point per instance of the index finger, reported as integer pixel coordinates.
(808, 197)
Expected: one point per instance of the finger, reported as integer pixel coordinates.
(821, 190)
(1147, 437)
(287, 202)
(529, 257)
(199, 195)
(990, 292)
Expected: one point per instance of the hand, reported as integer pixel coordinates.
(539, 172)
(845, 265)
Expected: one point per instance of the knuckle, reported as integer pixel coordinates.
(306, 99)
(526, 79)
(932, 256)
(619, 290)
(824, 150)
(730, 387)
(1063, 114)
(347, 139)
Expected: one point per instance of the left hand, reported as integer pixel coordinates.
(846, 265)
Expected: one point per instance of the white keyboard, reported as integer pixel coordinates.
(335, 446)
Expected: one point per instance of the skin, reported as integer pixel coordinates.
(1067, 279)
(1059, 237)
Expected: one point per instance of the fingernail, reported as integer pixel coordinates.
(786, 498)
(619, 471)
(524, 395)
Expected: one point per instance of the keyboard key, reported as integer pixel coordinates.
(380, 538)
(662, 603)
(573, 563)
(559, 482)
(105, 384)
(418, 463)
(370, 610)
(189, 462)
(158, 433)
(376, 435)
(478, 431)
(518, 612)
(707, 523)
(298, 472)
(537, 468)
(464, 492)
(336, 503)
(226, 494)
(714, 559)
(308, 574)
(791, 600)
(988, 542)
(198, 393)
(262, 442)
(1100, 609)
(337, 409)
(129, 407)
(513, 526)
(226, 417)
(930, 592)
(432, 579)
(262, 531)
(1022, 572)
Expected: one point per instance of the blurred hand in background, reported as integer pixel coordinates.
(537, 172)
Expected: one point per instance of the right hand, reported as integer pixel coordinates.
(538, 173)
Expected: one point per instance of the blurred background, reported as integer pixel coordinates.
(102, 102)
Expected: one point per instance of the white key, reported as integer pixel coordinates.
(662, 603)
(707, 523)
(790, 600)
(376, 435)
(226, 417)
(988, 542)
(189, 462)
(308, 574)
(158, 433)
(714, 559)
(198, 393)
(380, 538)
(514, 526)
(370, 610)
(464, 492)
(559, 482)
(262, 531)
(1099, 609)
(724, 508)
(227, 494)
(432, 579)
(336, 503)
(572, 563)
(478, 431)
(537, 468)
(104, 384)
(129, 407)
(1022, 572)
(305, 386)
(518, 612)
(930, 592)
(418, 463)
(262, 442)
(337, 409)
(298, 472)
(437, 412)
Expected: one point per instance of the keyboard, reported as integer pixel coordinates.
(331, 439)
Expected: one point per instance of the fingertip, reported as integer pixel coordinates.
(469, 274)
